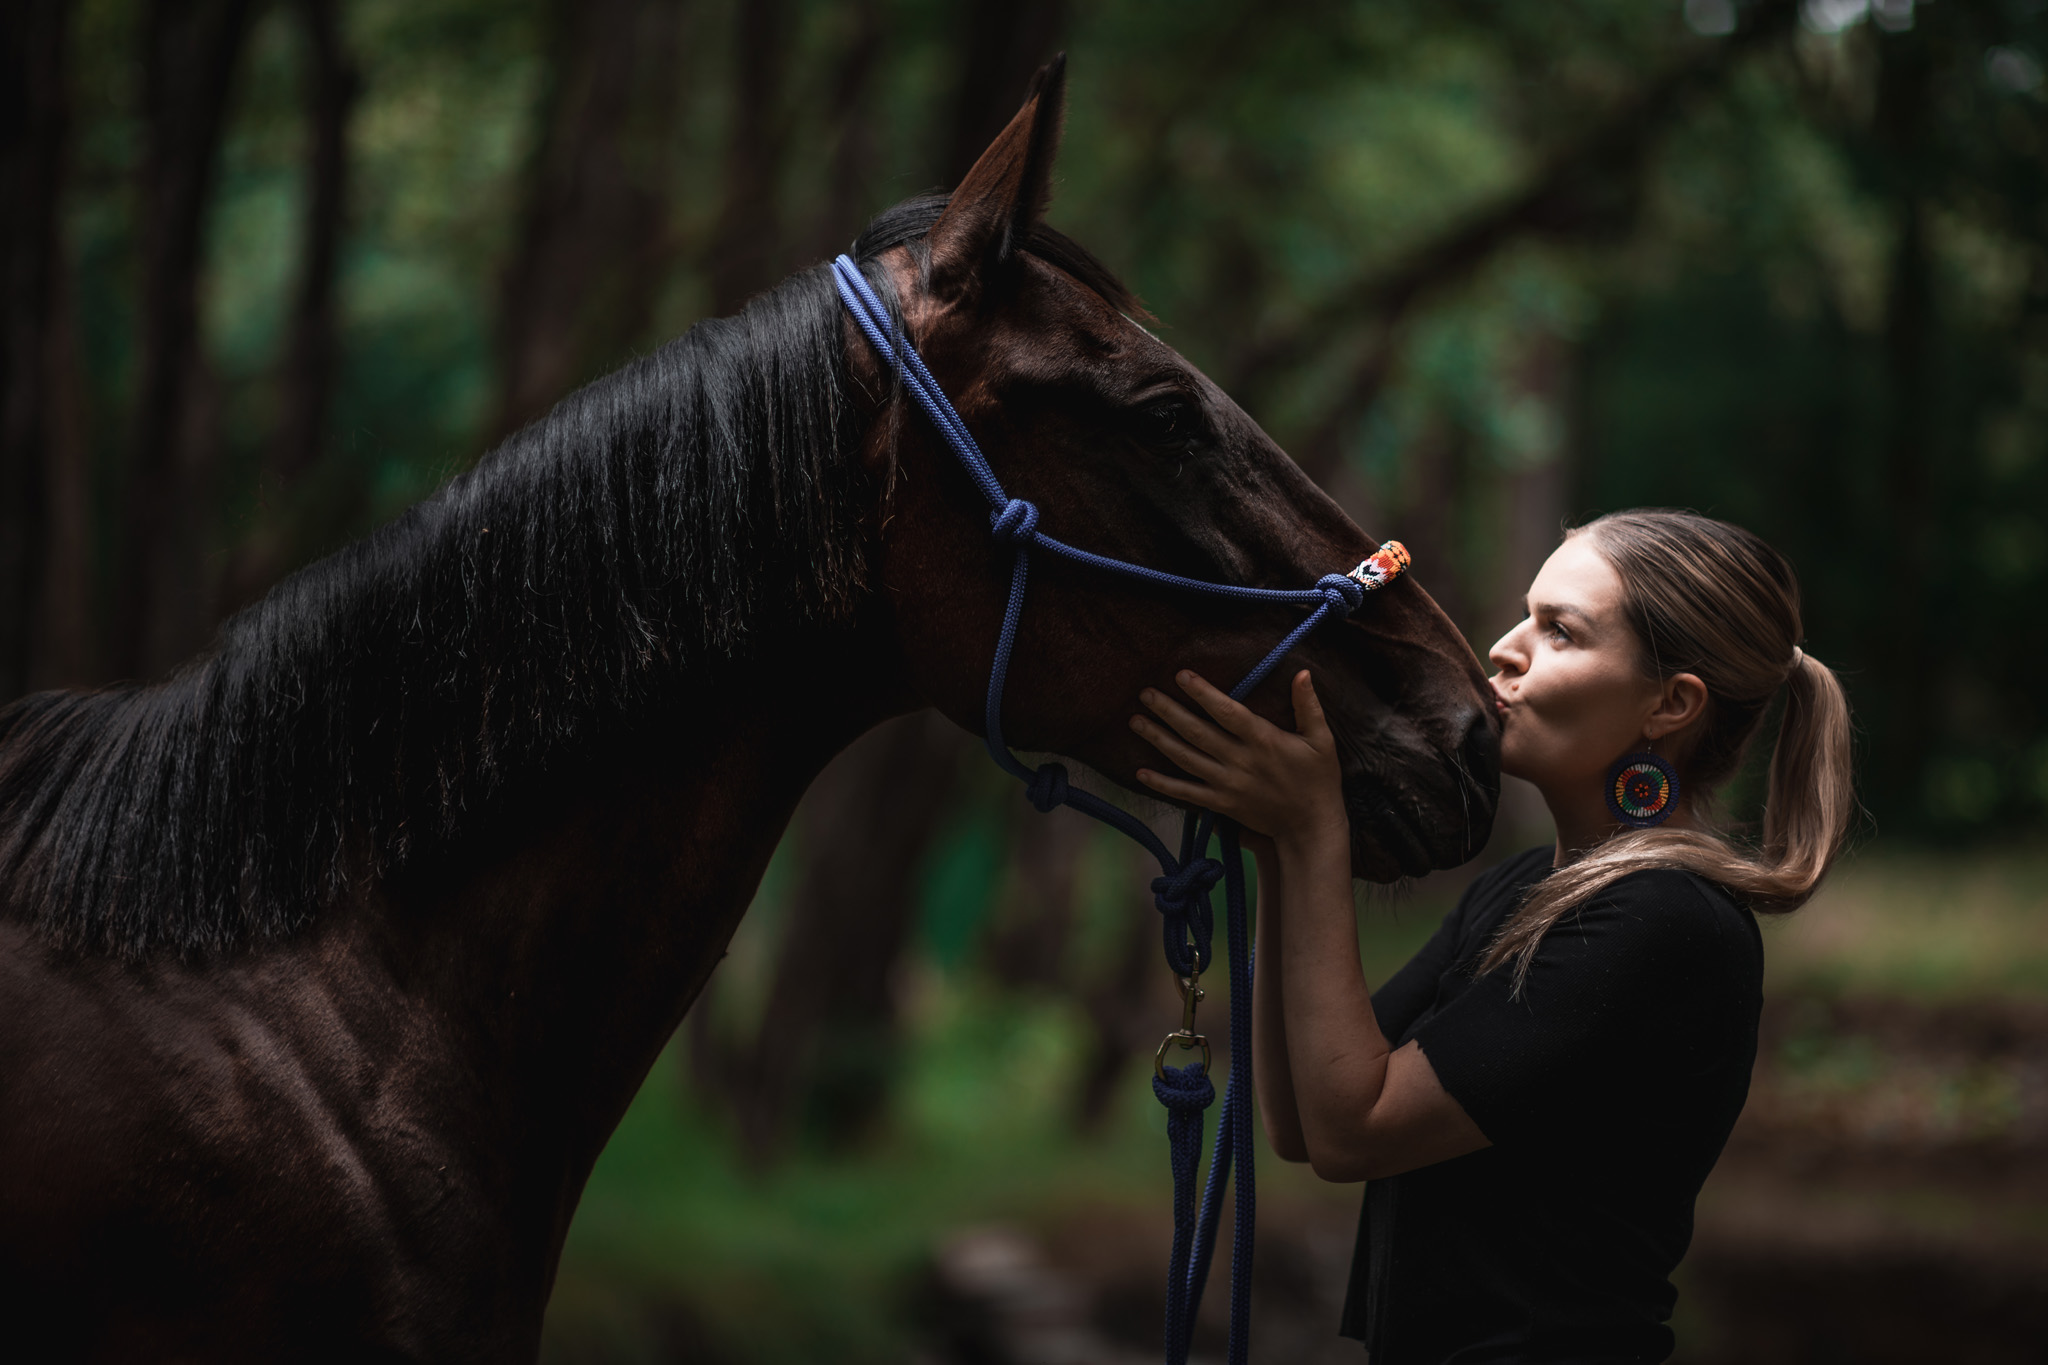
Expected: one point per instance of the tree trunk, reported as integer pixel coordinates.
(828, 1034)
(1026, 943)
(1130, 1010)
(189, 53)
(33, 136)
(1535, 502)
(579, 291)
(65, 652)
(1437, 462)
(1905, 85)
(1000, 46)
(1533, 493)
(306, 377)
(745, 245)
(853, 161)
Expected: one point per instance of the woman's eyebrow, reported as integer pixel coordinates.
(1557, 609)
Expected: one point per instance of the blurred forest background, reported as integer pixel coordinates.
(274, 269)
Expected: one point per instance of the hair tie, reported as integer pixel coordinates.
(1798, 656)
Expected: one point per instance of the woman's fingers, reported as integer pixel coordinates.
(1190, 726)
(1309, 721)
(1194, 793)
(1234, 716)
(1195, 760)
(1262, 775)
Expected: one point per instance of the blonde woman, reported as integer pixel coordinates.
(1536, 1098)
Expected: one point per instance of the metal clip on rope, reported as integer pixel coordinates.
(1182, 889)
(1185, 1037)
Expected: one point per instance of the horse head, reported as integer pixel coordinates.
(1131, 452)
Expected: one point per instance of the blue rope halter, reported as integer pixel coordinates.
(1182, 889)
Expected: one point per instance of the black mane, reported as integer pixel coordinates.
(590, 569)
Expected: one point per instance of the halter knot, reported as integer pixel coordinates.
(1187, 888)
(1015, 523)
(1341, 591)
(1047, 787)
(1184, 1089)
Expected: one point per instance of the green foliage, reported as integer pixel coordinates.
(1919, 927)
(440, 137)
(1729, 314)
(960, 884)
(819, 1258)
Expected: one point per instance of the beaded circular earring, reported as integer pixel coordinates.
(1642, 790)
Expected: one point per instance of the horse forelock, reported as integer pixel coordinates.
(908, 223)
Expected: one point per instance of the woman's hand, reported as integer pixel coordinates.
(1286, 786)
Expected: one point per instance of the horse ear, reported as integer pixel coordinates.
(1007, 191)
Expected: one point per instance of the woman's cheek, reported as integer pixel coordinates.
(1544, 745)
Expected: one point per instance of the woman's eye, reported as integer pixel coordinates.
(1560, 634)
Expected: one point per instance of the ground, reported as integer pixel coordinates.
(1885, 1197)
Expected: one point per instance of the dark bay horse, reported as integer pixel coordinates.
(328, 964)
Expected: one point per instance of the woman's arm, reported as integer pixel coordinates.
(1366, 1110)
(1272, 1074)
(1362, 1110)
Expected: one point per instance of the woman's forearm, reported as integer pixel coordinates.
(1337, 1056)
(1329, 1088)
(1271, 1073)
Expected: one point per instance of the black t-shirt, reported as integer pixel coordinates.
(1607, 1090)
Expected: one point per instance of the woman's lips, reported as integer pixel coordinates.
(1500, 704)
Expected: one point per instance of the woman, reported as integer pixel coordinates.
(1538, 1095)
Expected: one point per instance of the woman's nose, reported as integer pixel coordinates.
(1506, 654)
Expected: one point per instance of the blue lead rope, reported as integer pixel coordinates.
(1181, 891)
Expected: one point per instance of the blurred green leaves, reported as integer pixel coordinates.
(1693, 282)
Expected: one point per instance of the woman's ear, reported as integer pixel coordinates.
(1683, 701)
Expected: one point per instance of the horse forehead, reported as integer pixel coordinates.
(1088, 334)
(1051, 327)
(1055, 302)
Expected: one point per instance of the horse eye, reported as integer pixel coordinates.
(1168, 422)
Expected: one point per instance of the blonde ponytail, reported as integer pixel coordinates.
(1812, 798)
(1711, 599)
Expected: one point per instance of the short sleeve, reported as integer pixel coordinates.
(1410, 991)
(1603, 1000)
(1401, 1000)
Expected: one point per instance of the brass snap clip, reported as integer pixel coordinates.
(1185, 1037)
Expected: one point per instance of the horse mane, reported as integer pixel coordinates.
(653, 523)
(591, 571)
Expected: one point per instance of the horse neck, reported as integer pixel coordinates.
(558, 951)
